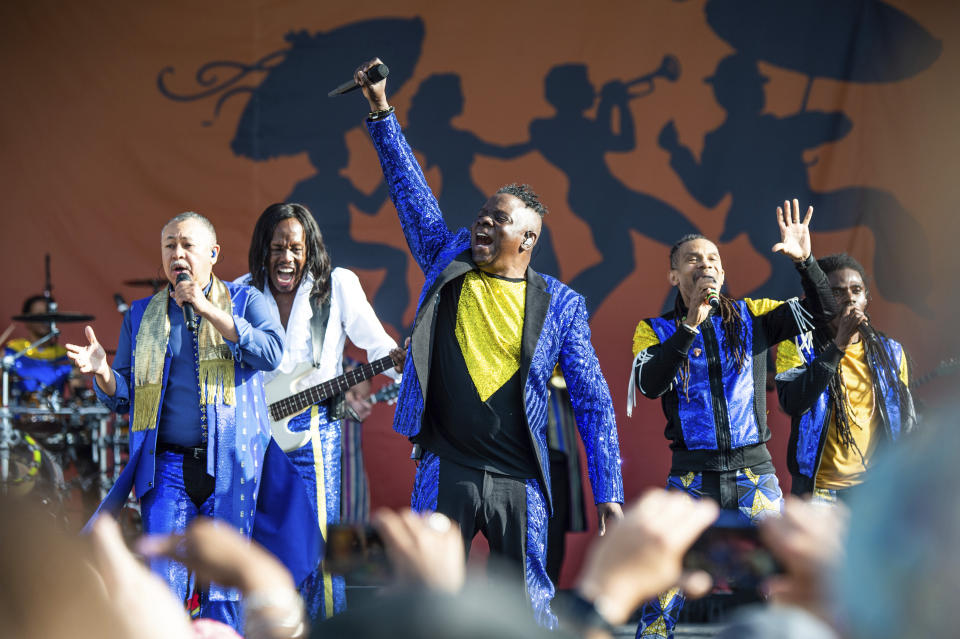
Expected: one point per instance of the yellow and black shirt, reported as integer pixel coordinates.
(474, 408)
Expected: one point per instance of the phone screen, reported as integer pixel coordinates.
(733, 554)
(356, 552)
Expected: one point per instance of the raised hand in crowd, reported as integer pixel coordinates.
(216, 552)
(808, 541)
(424, 549)
(641, 555)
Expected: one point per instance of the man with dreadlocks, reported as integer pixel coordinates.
(845, 388)
(316, 307)
(706, 359)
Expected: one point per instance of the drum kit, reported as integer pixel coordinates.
(55, 437)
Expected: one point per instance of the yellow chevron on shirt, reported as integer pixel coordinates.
(644, 337)
(788, 356)
(761, 306)
(489, 329)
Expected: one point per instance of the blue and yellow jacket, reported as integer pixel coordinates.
(804, 369)
(716, 407)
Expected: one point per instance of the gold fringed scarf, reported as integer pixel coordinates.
(216, 361)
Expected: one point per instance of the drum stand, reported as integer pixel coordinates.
(8, 437)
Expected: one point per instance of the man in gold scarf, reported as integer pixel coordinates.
(198, 426)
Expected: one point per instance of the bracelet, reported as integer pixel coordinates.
(693, 330)
(373, 116)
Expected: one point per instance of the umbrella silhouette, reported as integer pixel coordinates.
(852, 40)
(289, 112)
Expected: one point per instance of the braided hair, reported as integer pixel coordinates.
(732, 322)
(875, 351)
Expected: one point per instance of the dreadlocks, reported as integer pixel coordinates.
(730, 316)
(318, 259)
(877, 354)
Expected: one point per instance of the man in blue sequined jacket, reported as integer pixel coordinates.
(706, 360)
(488, 332)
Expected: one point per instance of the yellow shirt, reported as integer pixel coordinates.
(840, 466)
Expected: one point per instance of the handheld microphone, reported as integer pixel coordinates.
(713, 299)
(713, 296)
(374, 74)
(122, 306)
(189, 313)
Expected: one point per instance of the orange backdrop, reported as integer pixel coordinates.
(96, 157)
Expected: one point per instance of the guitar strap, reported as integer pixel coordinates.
(318, 329)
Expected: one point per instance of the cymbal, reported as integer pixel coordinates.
(58, 316)
(148, 282)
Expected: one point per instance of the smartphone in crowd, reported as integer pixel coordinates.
(732, 552)
(356, 551)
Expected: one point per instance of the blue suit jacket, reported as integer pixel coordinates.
(256, 487)
(555, 327)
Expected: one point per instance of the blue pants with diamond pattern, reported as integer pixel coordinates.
(753, 495)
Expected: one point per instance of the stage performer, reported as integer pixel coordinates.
(845, 387)
(198, 426)
(488, 332)
(317, 308)
(708, 366)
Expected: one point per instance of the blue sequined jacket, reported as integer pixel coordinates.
(804, 395)
(555, 327)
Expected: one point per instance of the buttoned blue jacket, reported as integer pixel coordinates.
(555, 327)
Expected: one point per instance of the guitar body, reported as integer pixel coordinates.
(284, 401)
(281, 386)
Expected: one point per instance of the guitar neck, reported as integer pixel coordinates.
(315, 394)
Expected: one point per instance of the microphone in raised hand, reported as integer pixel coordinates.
(374, 74)
(189, 313)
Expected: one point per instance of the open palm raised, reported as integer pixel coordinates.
(794, 234)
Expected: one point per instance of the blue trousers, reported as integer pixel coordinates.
(318, 464)
(503, 530)
(754, 496)
(168, 509)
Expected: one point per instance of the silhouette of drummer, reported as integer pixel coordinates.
(578, 145)
(753, 156)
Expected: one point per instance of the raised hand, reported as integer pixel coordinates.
(93, 359)
(376, 93)
(794, 234)
(90, 358)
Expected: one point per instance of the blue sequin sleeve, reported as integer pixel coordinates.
(420, 215)
(592, 407)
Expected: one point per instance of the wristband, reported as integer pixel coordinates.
(373, 116)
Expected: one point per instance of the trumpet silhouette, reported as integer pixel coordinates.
(669, 68)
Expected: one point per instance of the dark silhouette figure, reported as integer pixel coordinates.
(438, 100)
(758, 159)
(333, 194)
(577, 145)
(289, 113)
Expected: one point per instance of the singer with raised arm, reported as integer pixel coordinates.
(488, 332)
(198, 422)
(845, 387)
(706, 361)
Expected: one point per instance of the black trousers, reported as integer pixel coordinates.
(496, 505)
